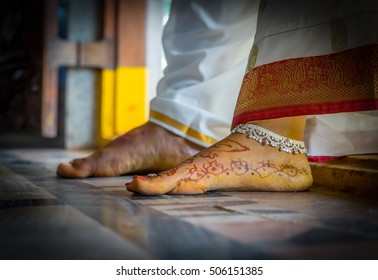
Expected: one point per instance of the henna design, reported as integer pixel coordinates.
(265, 169)
(293, 170)
(213, 167)
(195, 174)
(229, 146)
(209, 155)
(240, 167)
(189, 160)
(169, 172)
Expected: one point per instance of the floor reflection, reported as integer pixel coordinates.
(44, 217)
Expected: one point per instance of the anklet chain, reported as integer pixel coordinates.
(270, 138)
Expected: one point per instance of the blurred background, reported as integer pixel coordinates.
(76, 73)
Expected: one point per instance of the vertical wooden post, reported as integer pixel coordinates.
(121, 56)
(56, 52)
(131, 74)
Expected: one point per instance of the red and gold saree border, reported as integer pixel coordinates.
(340, 82)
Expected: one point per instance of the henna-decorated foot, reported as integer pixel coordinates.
(235, 163)
(146, 148)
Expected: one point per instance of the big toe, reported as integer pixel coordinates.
(74, 169)
(147, 186)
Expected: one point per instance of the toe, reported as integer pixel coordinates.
(148, 186)
(72, 170)
(188, 187)
(188, 190)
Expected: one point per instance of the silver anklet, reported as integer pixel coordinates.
(270, 138)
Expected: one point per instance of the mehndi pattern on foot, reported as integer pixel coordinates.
(236, 163)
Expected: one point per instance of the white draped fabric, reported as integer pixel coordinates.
(207, 45)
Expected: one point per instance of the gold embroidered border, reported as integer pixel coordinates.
(344, 76)
(182, 127)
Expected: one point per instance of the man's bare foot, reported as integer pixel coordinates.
(235, 163)
(146, 148)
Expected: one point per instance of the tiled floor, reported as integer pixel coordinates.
(44, 217)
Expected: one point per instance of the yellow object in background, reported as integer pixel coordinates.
(123, 102)
(106, 106)
(130, 98)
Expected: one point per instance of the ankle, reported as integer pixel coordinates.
(270, 138)
(290, 127)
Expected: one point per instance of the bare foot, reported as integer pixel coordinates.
(235, 163)
(146, 148)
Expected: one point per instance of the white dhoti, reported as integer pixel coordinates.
(206, 45)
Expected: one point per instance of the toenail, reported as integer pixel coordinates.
(141, 177)
(128, 183)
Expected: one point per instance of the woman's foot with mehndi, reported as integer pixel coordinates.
(237, 163)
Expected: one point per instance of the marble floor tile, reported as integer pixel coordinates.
(45, 217)
(258, 231)
(60, 232)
